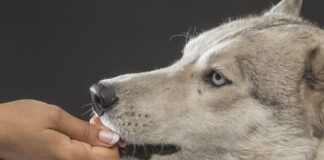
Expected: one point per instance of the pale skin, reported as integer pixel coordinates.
(33, 130)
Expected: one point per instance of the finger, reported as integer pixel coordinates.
(85, 132)
(65, 148)
(92, 153)
(96, 120)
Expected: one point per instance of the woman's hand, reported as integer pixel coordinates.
(33, 130)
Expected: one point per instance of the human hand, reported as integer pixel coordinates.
(33, 130)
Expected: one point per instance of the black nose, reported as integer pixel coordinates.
(103, 97)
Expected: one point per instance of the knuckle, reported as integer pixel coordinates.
(87, 133)
(55, 113)
(92, 134)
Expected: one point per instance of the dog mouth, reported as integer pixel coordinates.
(145, 151)
(130, 150)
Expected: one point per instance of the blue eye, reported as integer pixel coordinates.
(218, 79)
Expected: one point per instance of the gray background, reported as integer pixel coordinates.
(54, 50)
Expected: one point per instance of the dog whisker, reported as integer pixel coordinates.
(177, 35)
(86, 105)
(86, 112)
(188, 35)
(91, 114)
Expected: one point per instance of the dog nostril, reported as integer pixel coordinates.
(96, 99)
(103, 97)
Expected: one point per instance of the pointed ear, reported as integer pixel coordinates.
(289, 7)
(313, 89)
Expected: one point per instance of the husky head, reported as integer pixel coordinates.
(252, 88)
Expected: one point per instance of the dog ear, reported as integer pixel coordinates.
(313, 90)
(289, 7)
(314, 69)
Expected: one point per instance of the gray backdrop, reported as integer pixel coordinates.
(54, 50)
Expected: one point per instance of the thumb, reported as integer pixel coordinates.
(83, 131)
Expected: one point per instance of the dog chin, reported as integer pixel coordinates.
(139, 151)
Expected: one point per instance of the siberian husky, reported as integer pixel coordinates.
(250, 89)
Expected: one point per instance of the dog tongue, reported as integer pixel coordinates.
(122, 144)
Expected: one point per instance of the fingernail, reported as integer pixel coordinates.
(108, 137)
(91, 121)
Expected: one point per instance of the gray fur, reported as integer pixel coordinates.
(272, 110)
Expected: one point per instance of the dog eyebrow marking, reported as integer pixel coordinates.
(203, 61)
(275, 23)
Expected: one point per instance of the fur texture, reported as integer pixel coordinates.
(271, 110)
